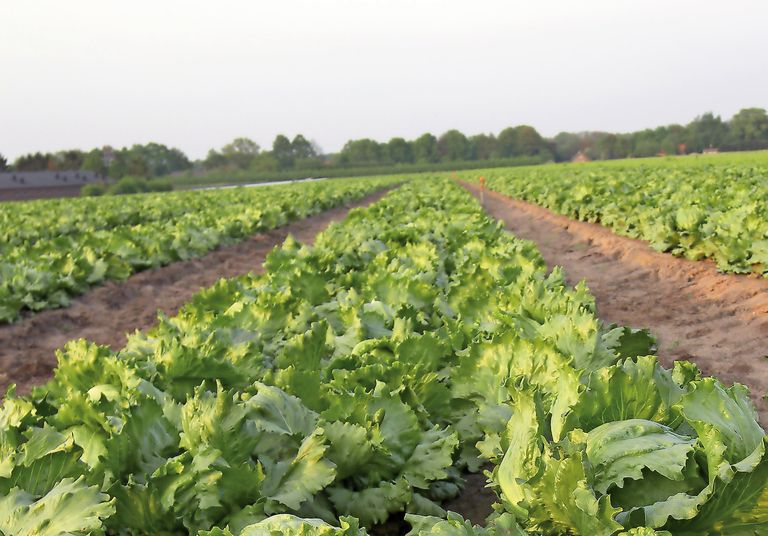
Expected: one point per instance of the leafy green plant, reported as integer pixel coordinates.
(356, 379)
(682, 206)
(52, 250)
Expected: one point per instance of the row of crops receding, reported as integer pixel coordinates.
(717, 211)
(356, 381)
(54, 249)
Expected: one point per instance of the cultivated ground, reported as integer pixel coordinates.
(718, 321)
(108, 312)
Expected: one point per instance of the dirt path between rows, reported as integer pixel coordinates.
(108, 312)
(718, 321)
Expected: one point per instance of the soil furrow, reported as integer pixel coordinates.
(107, 313)
(719, 321)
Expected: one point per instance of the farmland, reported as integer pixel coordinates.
(55, 249)
(358, 381)
(711, 208)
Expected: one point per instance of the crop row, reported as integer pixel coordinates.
(716, 211)
(359, 378)
(53, 250)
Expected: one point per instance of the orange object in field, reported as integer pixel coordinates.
(482, 182)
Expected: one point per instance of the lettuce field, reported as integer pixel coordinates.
(54, 249)
(354, 384)
(716, 209)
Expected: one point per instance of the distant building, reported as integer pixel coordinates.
(15, 185)
(581, 156)
(11, 180)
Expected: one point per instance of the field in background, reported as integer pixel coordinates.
(355, 383)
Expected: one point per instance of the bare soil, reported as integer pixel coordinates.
(108, 312)
(718, 321)
(474, 502)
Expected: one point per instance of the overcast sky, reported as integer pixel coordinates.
(195, 74)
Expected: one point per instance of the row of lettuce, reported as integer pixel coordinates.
(54, 249)
(696, 211)
(357, 380)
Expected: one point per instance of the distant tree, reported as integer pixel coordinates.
(117, 167)
(264, 161)
(67, 160)
(135, 165)
(530, 142)
(160, 159)
(567, 144)
(453, 146)
(301, 148)
(240, 151)
(607, 146)
(522, 140)
(670, 138)
(507, 143)
(94, 161)
(32, 162)
(282, 151)
(483, 146)
(748, 129)
(399, 151)
(363, 152)
(305, 154)
(214, 160)
(707, 130)
(644, 143)
(425, 148)
(3, 163)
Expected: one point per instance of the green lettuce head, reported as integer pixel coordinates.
(642, 446)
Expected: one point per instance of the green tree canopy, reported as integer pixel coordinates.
(301, 148)
(483, 146)
(264, 161)
(749, 129)
(214, 159)
(282, 150)
(425, 148)
(567, 144)
(399, 151)
(117, 168)
(159, 159)
(522, 140)
(32, 162)
(240, 151)
(94, 161)
(707, 130)
(453, 145)
(610, 146)
(364, 152)
(66, 160)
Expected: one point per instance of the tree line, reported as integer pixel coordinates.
(746, 130)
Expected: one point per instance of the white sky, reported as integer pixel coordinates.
(194, 74)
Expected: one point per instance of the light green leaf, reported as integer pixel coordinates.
(70, 507)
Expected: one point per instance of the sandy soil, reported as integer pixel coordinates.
(718, 321)
(108, 312)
